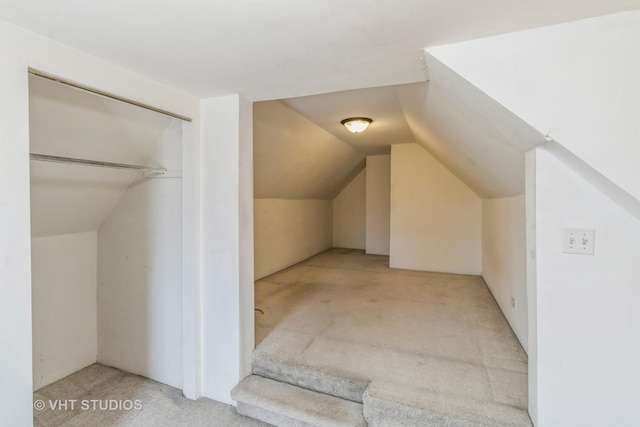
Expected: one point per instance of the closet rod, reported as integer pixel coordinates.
(106, 94)
(58, 159)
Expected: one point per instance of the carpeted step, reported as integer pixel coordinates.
(318, 379)
(286, 405)
(384, 406)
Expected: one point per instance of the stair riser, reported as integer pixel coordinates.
(312, 379)
(268, 416)
(384, 413)
(286, 405)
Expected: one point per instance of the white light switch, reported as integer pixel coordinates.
(578, 241)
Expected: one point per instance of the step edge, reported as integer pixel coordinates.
(347, 387)
(443, 417)
(249, 398)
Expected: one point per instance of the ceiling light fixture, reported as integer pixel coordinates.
(356, 124)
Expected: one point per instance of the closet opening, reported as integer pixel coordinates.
(106, 228)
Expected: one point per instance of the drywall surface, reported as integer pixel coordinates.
(587, 342)
(471, 134)
(378, 204)
(435, 218)
(532, 297)
(140, 275)
(289, 231)
(296, 159)
(245, 236)
(20, 50)
(191, 314)
(227, 245)
(282, 52)
(329, 109)
(349, 214)
(504, 263)
(576, 82)
(64, 274)
(64, 121)
(16, 385)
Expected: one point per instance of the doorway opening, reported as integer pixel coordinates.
(380, 260)
(106, 207)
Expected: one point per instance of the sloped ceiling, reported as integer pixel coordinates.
(71, 123)
(299, 49)
(296, 159)
(273, 50)
(576, 82)
(472, 135)
(379, 104)
(476, 138)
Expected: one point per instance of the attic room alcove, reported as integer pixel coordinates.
(106, 243)
(436, 183)
(393, 260)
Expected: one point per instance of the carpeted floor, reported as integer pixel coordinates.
(432, 341)
(418, 341)
(113, 392)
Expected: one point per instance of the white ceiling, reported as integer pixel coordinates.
(283, 48)
(67, 122)
(476, 138)
(380, 104)
(294, 50)
(295, 159)
(472, 135)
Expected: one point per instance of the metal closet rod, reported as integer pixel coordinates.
(106, 94)
(58, 159)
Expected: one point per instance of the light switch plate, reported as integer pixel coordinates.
(578, 241)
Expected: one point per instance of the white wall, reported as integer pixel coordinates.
(140, 274)
(20, 50)
(16, 386)
(245, 284)
(532, 297)
(68, 199)
(588, 345)
(577, 82)
(64, 274)
(378, 204)
(504, 266)
(289, 231)
(349, 214)
(227, 245)
(435, 217)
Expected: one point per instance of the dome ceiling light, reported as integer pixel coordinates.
(356, 124)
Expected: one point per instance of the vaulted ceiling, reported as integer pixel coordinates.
(472, 135)
(296, 159)
(286, 48)
(325, 61)
(380, 104)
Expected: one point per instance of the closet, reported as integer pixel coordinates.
(106, 235)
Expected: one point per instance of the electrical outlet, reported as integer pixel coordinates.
(513, 302)
(578, 241)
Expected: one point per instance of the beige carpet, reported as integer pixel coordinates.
(426, 341)
(432, 341)
(161, 405)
